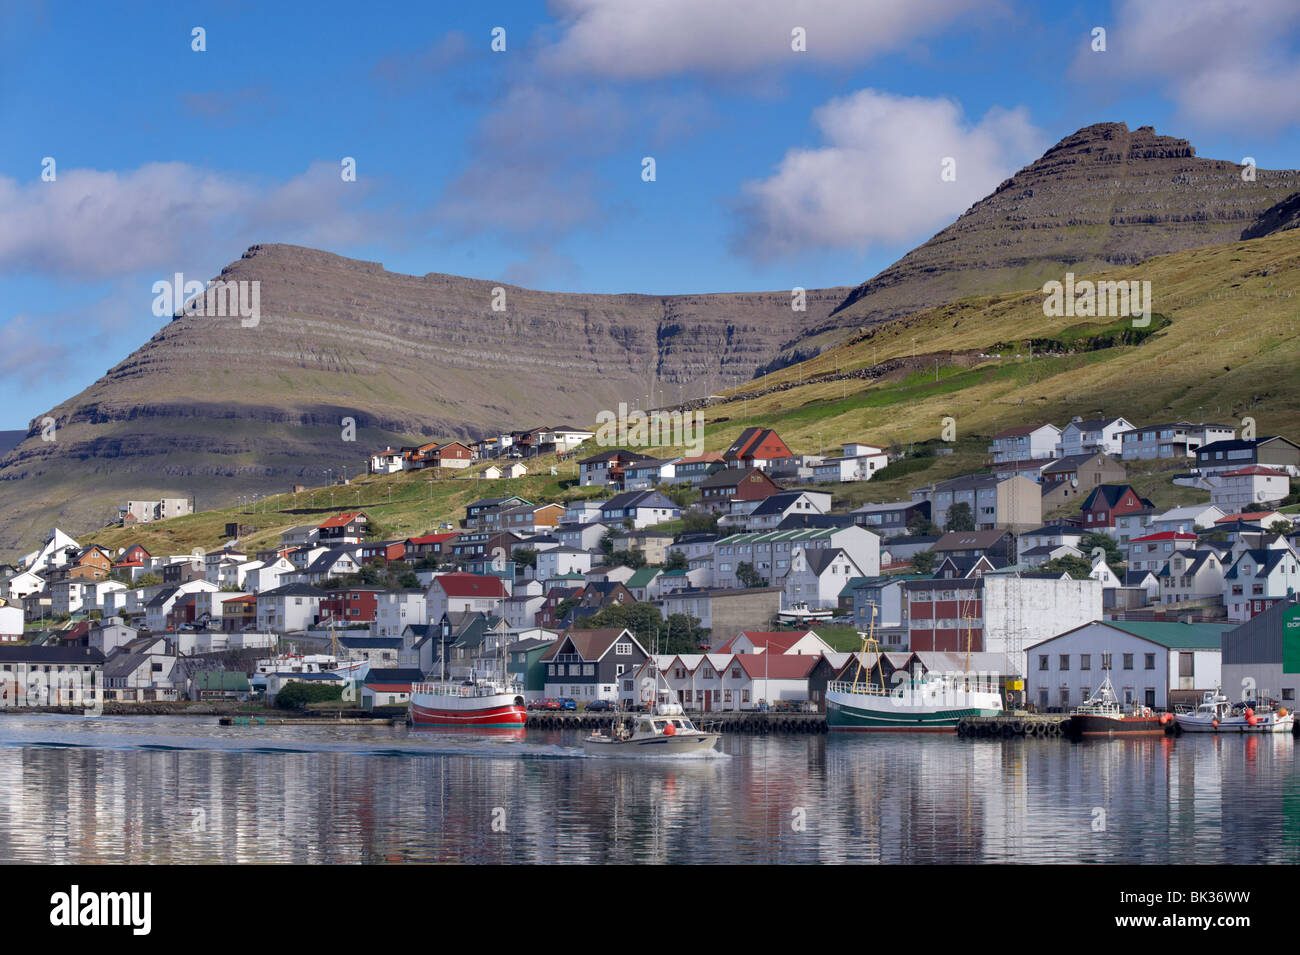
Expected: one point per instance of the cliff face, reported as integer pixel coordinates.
(211, 409)
(1102, 197)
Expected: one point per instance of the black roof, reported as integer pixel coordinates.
(395, 675)
(67, 655)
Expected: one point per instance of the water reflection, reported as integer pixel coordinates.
(177, 790)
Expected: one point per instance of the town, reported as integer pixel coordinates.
(735, 575)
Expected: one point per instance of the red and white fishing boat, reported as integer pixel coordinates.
(481, 703)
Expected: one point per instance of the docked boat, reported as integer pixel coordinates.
(470, 703)
(1218, 714)
(921, 701)
(1102, 715)
(800, 613)
(665, 732)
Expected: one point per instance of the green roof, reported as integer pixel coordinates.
(1176, 636)
(221, 680)
(765, 537)
(642, 577)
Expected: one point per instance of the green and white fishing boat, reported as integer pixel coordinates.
(919, 702)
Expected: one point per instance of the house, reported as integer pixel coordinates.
(653, 545)
(607, 467)
(1185, 520)
(760, 448)
(158, 606)
(348, 528)
(11, 621)
(1259, 578)
(1089, 436)
(642, 508)
(144, 670)
(50, 676)
(1067, 479)
(587, 665)
(1273, 452)
(766, 513)
(648, 473)
(1105, 502)
(775, 678)
(328, 564)
(1151, 664)
(353, 605)
(1025, 443)
(1252, 484)
(1131, 524)
(560, 561)
(564, 438)
(1013, 502)
(395, 610)
(435, 546)
(390, 686)
(239, 613)
(596, 595)
(133, 512)
(485, 513)
(464, 593)
(1192, 575)
(288, 609)
(524, 661)
(725, 610)
(453, 454)
(880, 603)
(387, 461)
(861, 466)
(721, 490)
(998, 546)
(816, 577)
(774, 641)
(769, 553)
(1179, 439)
(692, 470)
(220, 685)
(891, 519)
(382, 550)
(639, 584)
(1152, 551)
(298, 536)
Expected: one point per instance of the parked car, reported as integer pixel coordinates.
(566, 703)
(637, 707)
(599, 706)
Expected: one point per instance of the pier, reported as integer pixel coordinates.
(1007, 726)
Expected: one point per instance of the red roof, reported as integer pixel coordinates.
(470, 585)
(1255, 469)
(434, 538)
(246, 598)
(341, 520)
(1165, 536)
(389, 687)
(1016, 432)
(775, 641)
(777, 666)
(1248, 517)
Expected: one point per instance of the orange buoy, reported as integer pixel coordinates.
(1249, 712)
(1252, 719)
(670, 730)
(1164, 719)
(1214, 723)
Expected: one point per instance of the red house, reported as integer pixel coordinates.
(757, 448)
(1107, 501)
(354, 605)
(383, 550)
(345, 528)
(717, 491)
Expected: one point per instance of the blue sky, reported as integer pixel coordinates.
(774, 167)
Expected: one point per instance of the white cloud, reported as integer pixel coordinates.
(1222, 62)
(877, 178)
(654, 38)
(91, 224)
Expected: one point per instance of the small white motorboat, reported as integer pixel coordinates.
(665, 732)
(1218, 714)
(800, 613)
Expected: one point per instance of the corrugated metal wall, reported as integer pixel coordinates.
(1258, 640)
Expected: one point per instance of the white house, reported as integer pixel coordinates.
(11, 623)
(1025, 443)
(817, 576)
(288, 609)
(851, 467)
(1260, 577)
(562, 560)
(1152, 551)
(387, 461)
(1143, 660)
(1253, 484)
(464, 593)
(1179, 439)
(768, 512)
(1097, 434)
(270, 575)
(1185, 520)
(395, 610)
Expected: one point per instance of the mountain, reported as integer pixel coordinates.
(1104, 196)
(210, 409)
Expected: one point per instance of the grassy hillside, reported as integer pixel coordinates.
(1227, 351)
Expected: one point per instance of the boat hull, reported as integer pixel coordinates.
(862, 712)
(501, 709)
(1079, 726)
(1235, 724)
(678, 745)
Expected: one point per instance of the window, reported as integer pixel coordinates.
(623, 649)
(1149, 661)
(1085, 661)
(1065, 661)
(1105, 661)
(1186, 664)
(1128, 661)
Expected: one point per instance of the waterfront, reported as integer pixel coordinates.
(178, 789)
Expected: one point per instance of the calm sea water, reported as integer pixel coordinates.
(165, 790)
